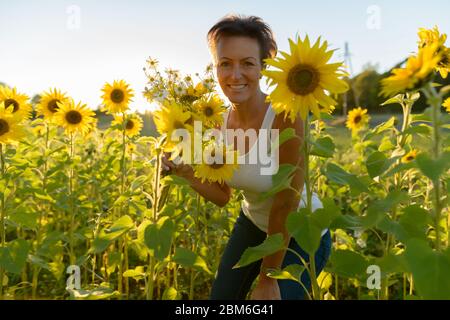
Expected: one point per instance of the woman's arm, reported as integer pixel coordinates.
(284, 203)
(217, 193)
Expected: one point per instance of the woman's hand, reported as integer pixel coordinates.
(182, 170)
(213, 191)
(266, 289)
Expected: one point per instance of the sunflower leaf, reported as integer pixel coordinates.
(290, 272)
(338, 175)
(187, 258)
(323, 147)
(272, 244)
(377, 163)
(280, 181)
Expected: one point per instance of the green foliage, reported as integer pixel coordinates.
(349, 264)
(187, 258)
(429, 269)
(14, 256)
(108, 235)
(272, 244)
(338, 175)
(158, 237)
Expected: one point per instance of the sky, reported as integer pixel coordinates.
(77, 46)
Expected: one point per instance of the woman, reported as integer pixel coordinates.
(239, 46)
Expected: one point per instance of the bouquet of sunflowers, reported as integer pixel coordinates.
(190, 110)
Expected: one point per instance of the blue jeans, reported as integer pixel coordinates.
(231, 284)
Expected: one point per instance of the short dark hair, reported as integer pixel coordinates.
(246, 26)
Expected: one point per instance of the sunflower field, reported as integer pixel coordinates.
(90, 214)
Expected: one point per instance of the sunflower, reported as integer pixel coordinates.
(152, 63)
(91, 128)
(131, 148)
(169, 118)
(133, 124)
(410, 156)
(444, 65)
(18, 102)
(305, 79)
(39, 130)
(219, 163)
(417, 71)
(48, 104)
(430, 36)
(209, 110)
(357, 119)
(117, 96)
(327, 109)
(200, 89)
(10, 128)
(446, 105)
(75, 117)
(190, 94)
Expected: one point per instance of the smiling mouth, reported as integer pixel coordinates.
(237, 86)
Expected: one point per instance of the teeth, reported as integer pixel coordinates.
(241, 86)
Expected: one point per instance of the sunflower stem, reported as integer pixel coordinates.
(2, 218)
(36, 268)
(122, 242)
(306, 161)
(436, 105)
(150, 280)
(152, 259)
(72, 205)
(435, 100)
(406, 107)
(156, 186)
(306, 151)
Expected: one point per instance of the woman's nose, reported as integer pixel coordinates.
(236, 73)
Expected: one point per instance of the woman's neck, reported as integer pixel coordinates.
(245, 112)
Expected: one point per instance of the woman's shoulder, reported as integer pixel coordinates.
(281, 122)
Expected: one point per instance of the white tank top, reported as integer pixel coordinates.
(249, 179)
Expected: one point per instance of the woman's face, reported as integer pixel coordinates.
(238, 67)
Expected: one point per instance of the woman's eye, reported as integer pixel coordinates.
(224, 64)
(249, 64)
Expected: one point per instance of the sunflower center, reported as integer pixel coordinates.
(73, 117)
(12, 102)
(208, 111)
(52, 106)
(302, 79)
(4, 127)
(129, 125)
(357, 119)
(445, 61)
(409, 158)
(117, 96)
(187, 98)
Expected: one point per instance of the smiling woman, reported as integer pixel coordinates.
(240, 46)
(246, 43)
